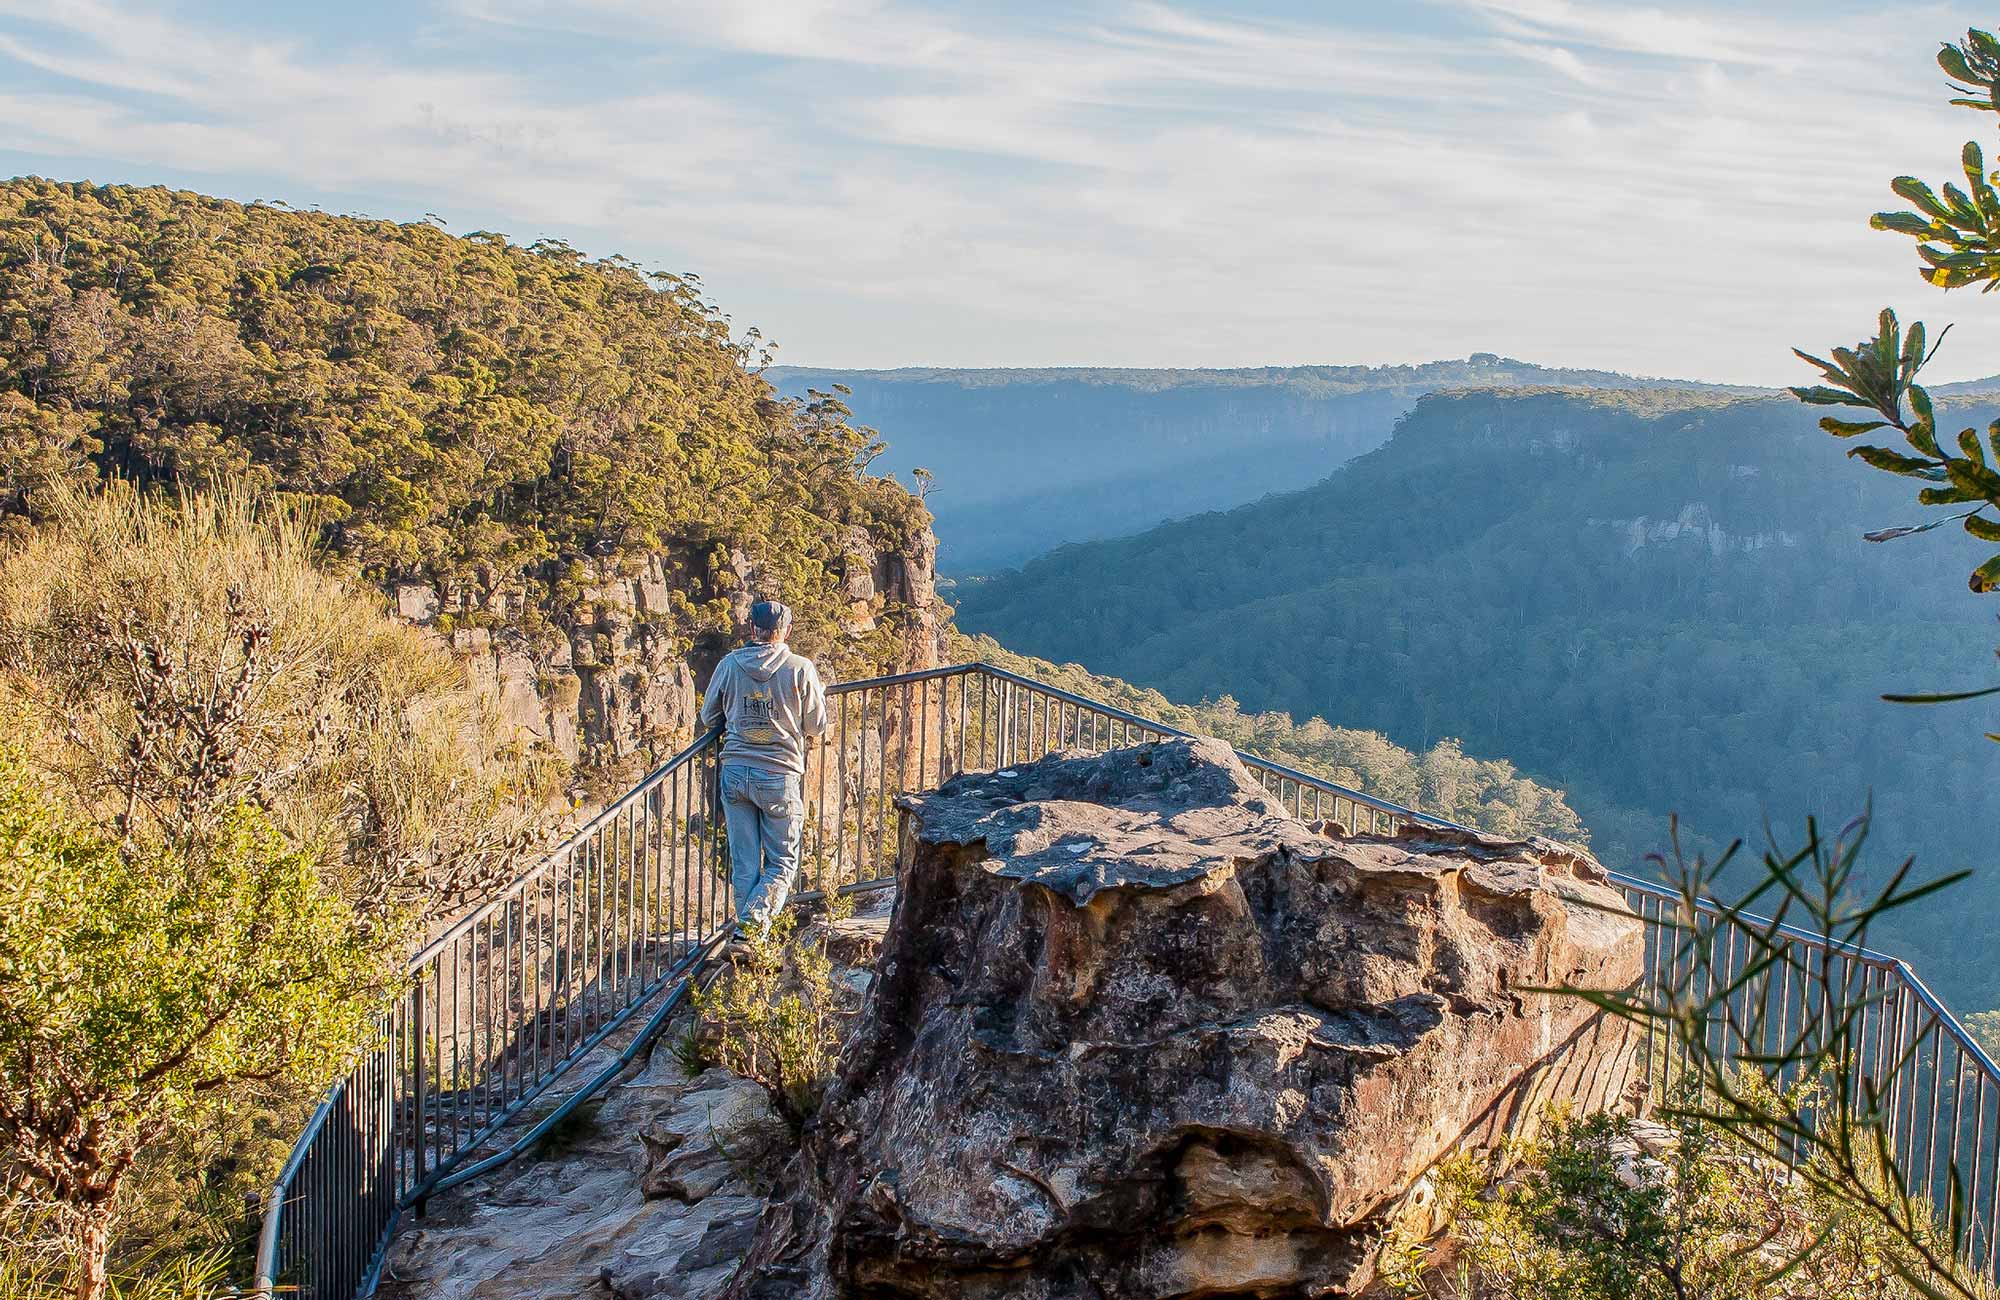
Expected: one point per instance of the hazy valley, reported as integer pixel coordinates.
(1027, 460)
(1659, 602)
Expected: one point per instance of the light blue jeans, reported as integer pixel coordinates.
(766, 817)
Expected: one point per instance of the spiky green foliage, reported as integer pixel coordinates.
(1775, 1033)
(1879, 374)
(1958, 241)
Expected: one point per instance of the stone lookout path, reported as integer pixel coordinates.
(651, 1192)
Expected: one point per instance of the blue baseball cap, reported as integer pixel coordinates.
(770, 615)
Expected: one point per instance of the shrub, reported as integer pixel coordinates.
(1838, 1134)
(189, 693)
(135, 980)
(1586, 1211)
(30, 1270)
(178, 656)
(773, 1017)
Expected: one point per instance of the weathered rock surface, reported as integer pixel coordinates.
(655, 1195)
(1137, 1032)
(720, 1132)
(611, 675)
(608, 1216)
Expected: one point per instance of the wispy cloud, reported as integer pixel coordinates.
(1740, 38)
(1662, 190)
(1559, 59)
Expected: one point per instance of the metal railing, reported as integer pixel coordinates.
(1937, 1089)
(515, 995)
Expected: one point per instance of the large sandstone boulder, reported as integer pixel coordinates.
(1137, 1032)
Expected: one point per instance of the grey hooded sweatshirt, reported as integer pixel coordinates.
(772, 700)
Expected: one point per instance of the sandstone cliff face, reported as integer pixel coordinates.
(608, 676)
(1137, 1032)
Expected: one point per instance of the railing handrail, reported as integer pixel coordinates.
(458, 928)
(1945, 1017)
(1873, 957)
(1710, 907)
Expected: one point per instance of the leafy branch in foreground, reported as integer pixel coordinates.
(1879, 375)
(1958, 240)
(1775, 1029)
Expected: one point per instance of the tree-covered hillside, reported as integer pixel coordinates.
(236, 790)
(449, 406)
(1485, 792)
(1026, 460)
(1659, 601)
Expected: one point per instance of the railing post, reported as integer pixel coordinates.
(419, 1144)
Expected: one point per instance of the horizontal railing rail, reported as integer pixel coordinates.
(513, 996)
(490, 1014)
(1937, 1089)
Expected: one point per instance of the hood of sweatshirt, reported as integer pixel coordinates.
(761, 660)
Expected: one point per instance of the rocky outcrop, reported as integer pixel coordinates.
(636, 1203)
(653, 1192)
(1137, 1032)
(608, 673)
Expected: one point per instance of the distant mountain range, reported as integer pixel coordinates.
(1026, 460)
(1658, 600)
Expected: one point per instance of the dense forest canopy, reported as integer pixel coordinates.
(447, 405)
(1657, 601)
(1025, 460)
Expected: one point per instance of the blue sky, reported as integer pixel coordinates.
(1673, 189)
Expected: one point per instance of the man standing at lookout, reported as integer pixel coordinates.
(771, 701)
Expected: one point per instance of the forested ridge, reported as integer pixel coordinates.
(1660, 602)
(446, 405)
(1023, 460)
